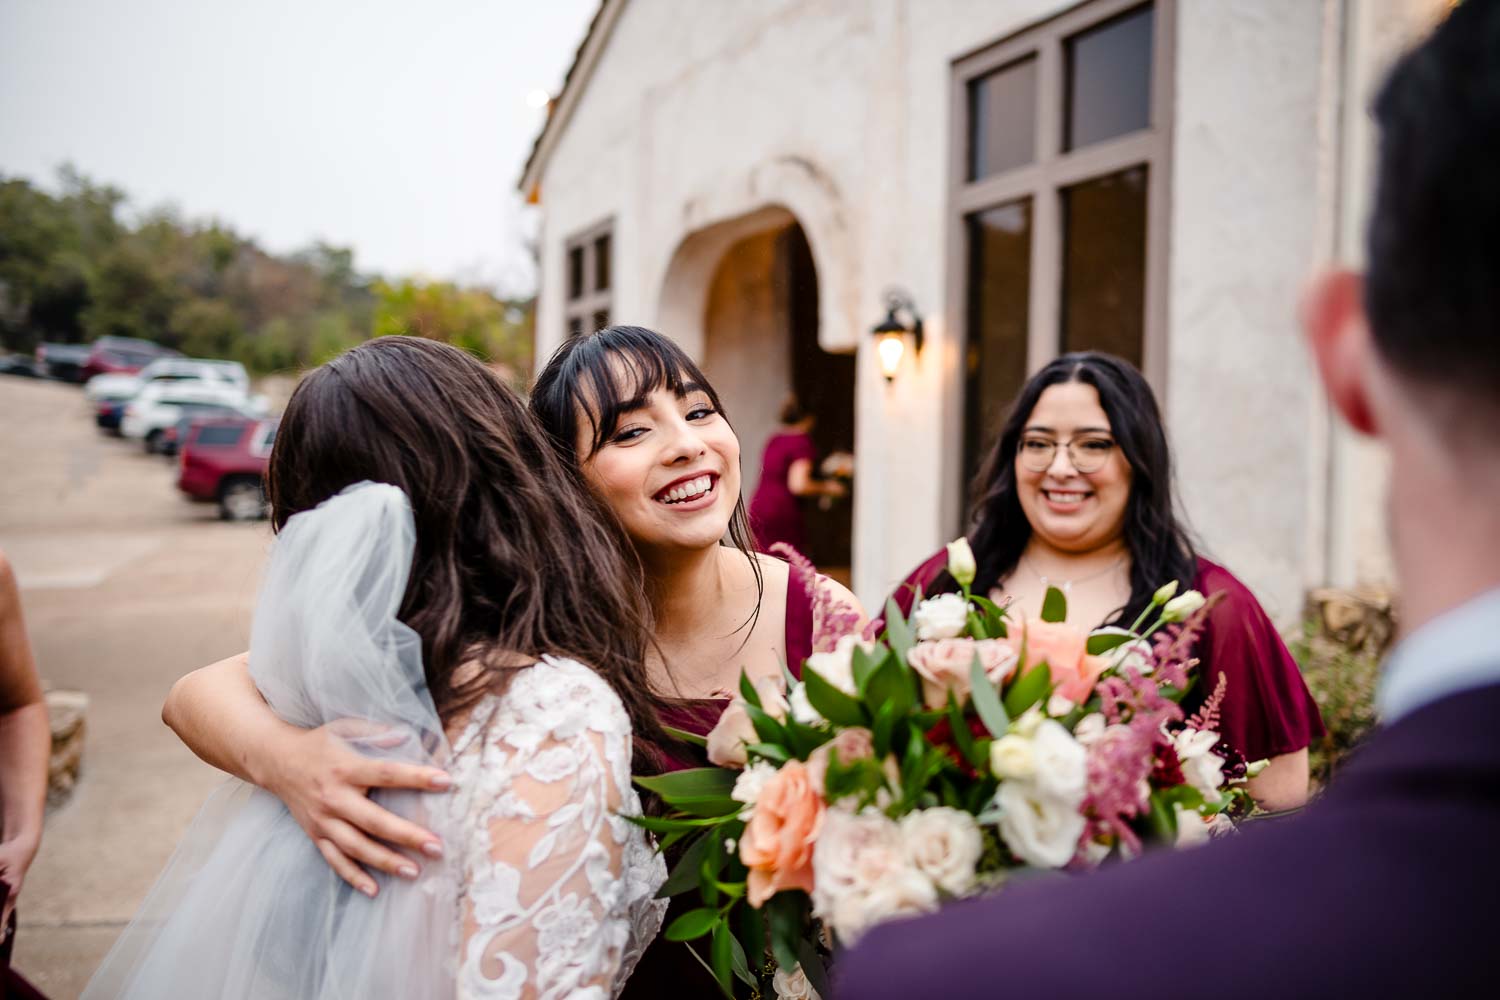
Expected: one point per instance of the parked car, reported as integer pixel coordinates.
(170, 440)
(20, 364)
(121, 355)
(158, 405)
(224, 462)
(107, 414)
(124, 386)
(63, 361)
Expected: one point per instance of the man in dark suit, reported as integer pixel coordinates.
(1387, 886)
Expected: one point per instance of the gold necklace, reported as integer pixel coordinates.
(1066, 586)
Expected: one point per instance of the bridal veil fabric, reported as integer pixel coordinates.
(247, 908)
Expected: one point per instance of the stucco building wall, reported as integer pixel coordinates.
(693, 117)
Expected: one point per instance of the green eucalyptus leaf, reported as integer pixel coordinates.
(664, 824)
(693, 783)
(747, 690)
(897, 632)
(885, 725)
(767, 728)
(740, 964)
(833, 704)
(692, 924)
(770, 751)
(1163, 819)
(1054, 606)
(684, 874)
(721, 956)
(686, 737)
(1104, 642)
(1028, 690)
(866, 662)
(787, 915)
(987, 700)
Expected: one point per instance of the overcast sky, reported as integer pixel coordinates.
(393, 127)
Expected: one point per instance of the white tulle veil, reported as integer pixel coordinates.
(247, 908)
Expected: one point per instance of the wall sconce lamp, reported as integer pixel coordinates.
(890, 334)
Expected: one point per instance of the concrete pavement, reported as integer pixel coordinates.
(126, 586)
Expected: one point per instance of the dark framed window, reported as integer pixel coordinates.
(1058, 195)
(589, 267)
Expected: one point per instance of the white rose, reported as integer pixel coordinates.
(1030, 719)
(961, 562)
(1191, 829)
(1061, 764)
(1202, 768)
(1040, 829)
(942, 617)
(801, 708)
(793, 985)
(1058, 706)
(750, 783)
(861, 874)
(1181, 606)
(1011, 756)
(1089, 728)
(837, 665)
(943, 844)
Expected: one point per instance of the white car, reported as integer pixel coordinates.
(159, 405)
(102, 387)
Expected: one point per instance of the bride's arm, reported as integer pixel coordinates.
(217, 711)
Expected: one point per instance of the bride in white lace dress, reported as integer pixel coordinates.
(371, 625)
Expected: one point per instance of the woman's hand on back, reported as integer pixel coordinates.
(218, 712)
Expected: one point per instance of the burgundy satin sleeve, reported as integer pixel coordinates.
(1267, 709)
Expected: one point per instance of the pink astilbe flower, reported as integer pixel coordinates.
(1207, 717)
(1172, 647)
(1128, 698)
(1119, 762)
(832, 618)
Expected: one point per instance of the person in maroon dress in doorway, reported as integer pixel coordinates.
(1077, 494)
(786, 475)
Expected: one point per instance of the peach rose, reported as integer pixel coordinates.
(727, 739)
(777, 845)
(850, 744)
(945, 664)
(1065, 650)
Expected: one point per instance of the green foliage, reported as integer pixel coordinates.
(1342, 681)
(73, 267)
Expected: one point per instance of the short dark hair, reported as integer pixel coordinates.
(1160, 546)
(1432, 292)
(498, 519)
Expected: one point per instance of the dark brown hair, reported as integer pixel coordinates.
(607, 374)
(1160, 546)
(513, 554)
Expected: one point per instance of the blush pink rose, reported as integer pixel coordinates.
(945, 665)
(1065, 650)
(777, 845)
(852, 744)
(727, 739)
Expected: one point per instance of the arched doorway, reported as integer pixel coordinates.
(760, 343)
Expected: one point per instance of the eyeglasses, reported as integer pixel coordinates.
(1086, 454)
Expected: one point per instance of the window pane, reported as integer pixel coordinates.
(575, 272)
(575, 326)
(999, 285)
(1109, 79)
(1104, 265)
(1002, 119)
(601, 263)
(601, 319)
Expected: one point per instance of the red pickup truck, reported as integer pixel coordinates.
(224, 461)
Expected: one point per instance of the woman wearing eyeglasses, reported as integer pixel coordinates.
(1078, 495)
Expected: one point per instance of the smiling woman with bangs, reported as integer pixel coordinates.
(648, 432)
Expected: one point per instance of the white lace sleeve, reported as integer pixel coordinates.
(557, 888)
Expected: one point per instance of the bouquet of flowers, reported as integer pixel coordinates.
(933, 762)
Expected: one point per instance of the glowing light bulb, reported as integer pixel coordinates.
(890, 346)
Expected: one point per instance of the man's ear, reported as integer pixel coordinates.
(1333, 320)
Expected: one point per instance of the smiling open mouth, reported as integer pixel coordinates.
(1066, 496)
(687, 490)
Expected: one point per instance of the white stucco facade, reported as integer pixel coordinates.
(691, 124)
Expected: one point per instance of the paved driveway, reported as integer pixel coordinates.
(126, 587)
